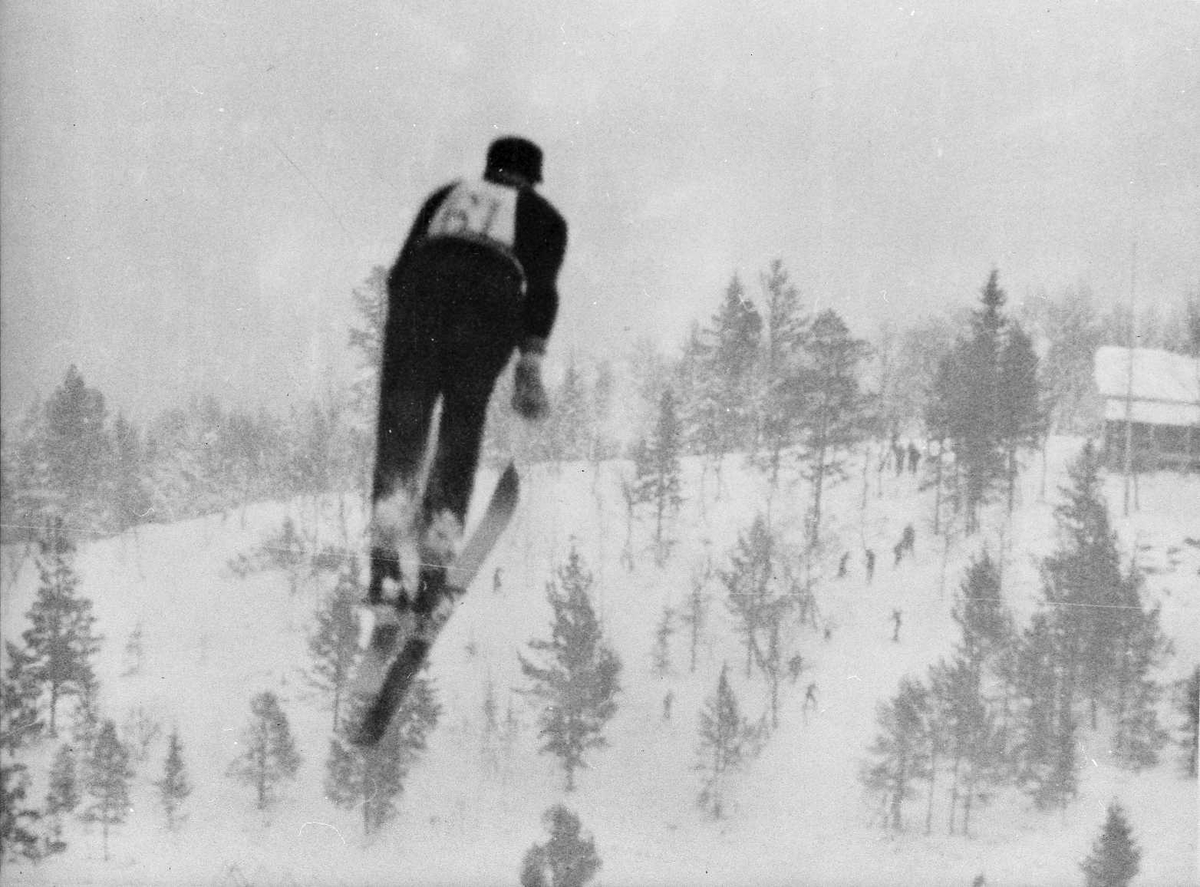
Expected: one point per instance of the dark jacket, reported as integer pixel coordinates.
(516, 227)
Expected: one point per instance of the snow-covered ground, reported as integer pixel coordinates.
(798, 813)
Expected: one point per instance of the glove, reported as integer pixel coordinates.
(529, 396)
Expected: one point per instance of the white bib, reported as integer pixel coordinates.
(478, 211)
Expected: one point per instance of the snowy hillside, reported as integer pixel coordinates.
(798, 813)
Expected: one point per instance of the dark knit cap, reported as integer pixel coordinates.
(515, 154)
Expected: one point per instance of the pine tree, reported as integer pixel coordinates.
(270, 755)
(1188, 704)
(174, 787)
(333, 642)
(108, 778)
(568, 859)
(1115, 856)
(760, 593)
(60, 641)
(970, 736)
(373, 779)
(784, 340)
(577, 679)
(657, 480)
(902, 749)
(726, 740)
(830, 405)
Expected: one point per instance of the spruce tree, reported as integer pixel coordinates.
(784, 339)
(131, 502)
(967, 395)
(567, 859)
(174, 787)
(987, 626)
(657, 472)
(270, 755)
(77, 449)
(577, 676)
(333, 642)
(830, 405)
(1115, 856)
(108, 778)
(1021, 422)
(726, 417)
(63, 795)
(373, 779)
(60, 642)
(726, 741)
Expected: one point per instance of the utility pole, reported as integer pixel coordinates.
(1129, 377)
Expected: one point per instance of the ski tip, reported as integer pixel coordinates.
(509, 479)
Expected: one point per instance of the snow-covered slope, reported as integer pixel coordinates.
(798, 813)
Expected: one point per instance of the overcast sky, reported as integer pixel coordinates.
(191, 190)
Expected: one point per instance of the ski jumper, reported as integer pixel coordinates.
(475, 280)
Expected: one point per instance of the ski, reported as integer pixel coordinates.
(400, 642)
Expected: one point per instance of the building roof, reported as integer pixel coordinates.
(1164, 388)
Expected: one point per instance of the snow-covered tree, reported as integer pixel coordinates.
(62, 797)
(1115, 856)
(784, 339)
(109, 774)
(333, 642)
(726, 416)
(726, 744)
(20, 693)
(18, 840)
(373, 779)
(60, 641)
(567, 859)
(270, 755)
(77, 449)
(831, 407)
(574, 674)
(657, 482)
(174, 787)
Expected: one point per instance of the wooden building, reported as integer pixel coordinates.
(1158, 392)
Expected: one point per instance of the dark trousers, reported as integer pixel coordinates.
(450, 330)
